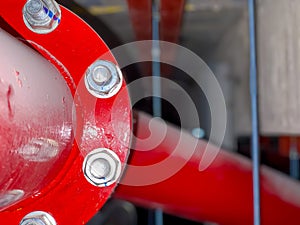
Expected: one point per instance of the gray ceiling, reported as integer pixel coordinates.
(204, 21)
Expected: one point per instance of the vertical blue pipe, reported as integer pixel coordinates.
(159, 217)
(294, 159)
(253, 92)
(156, 84)
(294, 165)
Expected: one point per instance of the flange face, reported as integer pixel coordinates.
(72, 47)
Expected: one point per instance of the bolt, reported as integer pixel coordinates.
(102, 167)
(101, 75)
(38, 218)
(103, 79)
(41, 16)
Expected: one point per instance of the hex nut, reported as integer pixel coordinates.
(38, 218)
(41, 16)
(102, 167)
(103, 79)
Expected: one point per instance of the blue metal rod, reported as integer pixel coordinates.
(159, 220)
(156, 61)
(253, 92)
(294, 159)
(156, 83)
(294, 165)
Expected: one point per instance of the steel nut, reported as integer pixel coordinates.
(41, 16)
(38, 218)
(102, 167)
(103, 79)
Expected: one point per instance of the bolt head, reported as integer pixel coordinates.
(38, 218)
(103, 79)
(101, 75)
(33, 7)
(102, 167)
(41, 16)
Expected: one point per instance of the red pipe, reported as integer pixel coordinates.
(171, 18)
(140, 15)
(222, 193)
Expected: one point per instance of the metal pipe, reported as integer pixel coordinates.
(253, 93)
(221, 194)
(294, 158)
(158, 214)
(156, 60)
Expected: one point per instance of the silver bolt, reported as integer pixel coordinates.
(35, 9)
(38, 218)
(103, 79)
(102, 167)
(41, 16)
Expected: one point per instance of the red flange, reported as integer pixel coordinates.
(100, 123)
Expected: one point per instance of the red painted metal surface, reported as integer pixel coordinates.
(71, 48)
(36, 119)
(141, 15)
(285, 144)
(170, 19)
(222, 193)
(171, 13)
